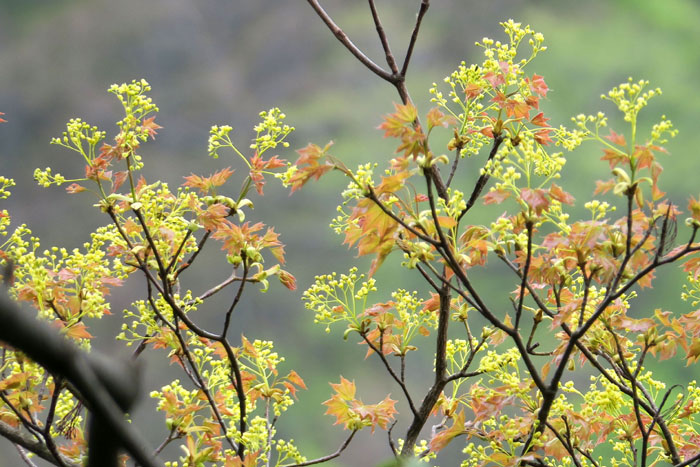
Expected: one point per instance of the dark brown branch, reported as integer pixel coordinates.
(373, 196)
(21, 438)
(424, 5)
(189, 262)
(197, 379)
(236, 299)
(526, 269)
(345, 40)
(100, 384)
(382, 37)
(391, 371)
(484, 177)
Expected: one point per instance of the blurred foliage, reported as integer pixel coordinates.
(216, 61)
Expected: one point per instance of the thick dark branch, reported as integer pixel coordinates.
(28, 442)
(99, 381)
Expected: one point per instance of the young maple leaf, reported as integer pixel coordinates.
(150, 126)
(207, 184)
(539, 120)
(556, 192)
(258, 165)
(536, 199)
(287, 280)
(309, 166)
(401, 125)
(537, 85)
(495, 79)
(436, 118)
(293, 382)
(496, 196)
(353, 413)
(472, 90)
(395, 124)
(214, 216)
(542, 136)
(443, 438)
(616, 138)
(338, 403)
(517, 109)
(379, 414)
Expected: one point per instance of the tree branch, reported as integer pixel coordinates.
(345, 40)
(328, 457)
(28, 442)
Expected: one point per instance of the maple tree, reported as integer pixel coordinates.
(506, 382)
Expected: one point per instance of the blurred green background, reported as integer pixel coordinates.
(221, 62)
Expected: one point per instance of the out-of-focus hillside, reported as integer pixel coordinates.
(221, 62)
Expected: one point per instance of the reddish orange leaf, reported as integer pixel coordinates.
(496, 196)
(151, 126)
(443, 438)
(538, 86)
(616, 138)
(536, 199)
(539, 120)
(556, 192)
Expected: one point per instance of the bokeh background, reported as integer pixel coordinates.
(223, 61)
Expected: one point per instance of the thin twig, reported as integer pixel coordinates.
(328, 457)
(382, 37)
(345, 40)
(424, 5)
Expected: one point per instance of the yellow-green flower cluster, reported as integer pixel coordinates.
(456, 204)
(137, 105)
(691, 290)
(334, 298)
(361, 182)
(342, 221)
(77, 134)
(631, 97)
(46, 177)
(5, 183)
(271, 131)
(661, 130)
(255, 438)
(604, 396)
(599, 209)
(218, 138)
(288, 452)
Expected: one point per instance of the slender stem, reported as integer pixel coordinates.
(328, 457)
(526, 269)
(236, 299)
(382, 37)
(484, 177)
(391, 371)
(424, 5)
